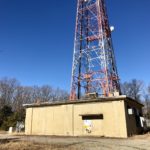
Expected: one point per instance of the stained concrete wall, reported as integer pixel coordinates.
(66, 119)
(132, 127)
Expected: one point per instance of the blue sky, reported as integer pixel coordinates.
(36, 40)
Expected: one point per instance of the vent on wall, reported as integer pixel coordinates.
(92, 117)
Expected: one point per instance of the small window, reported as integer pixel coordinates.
(130, 111)
(92, 117)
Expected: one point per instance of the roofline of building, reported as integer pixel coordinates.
(101, 99)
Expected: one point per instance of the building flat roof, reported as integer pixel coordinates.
(101, 99)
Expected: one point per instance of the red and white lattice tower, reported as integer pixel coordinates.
(94, 67)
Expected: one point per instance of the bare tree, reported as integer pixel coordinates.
(36, 94)
(18, 98)
(149, 89)
(147, 102)
(133, 89)
(14, 94)
(27, 95)
(146, 109)
(61, 95)
(46, 93)
(7, 90)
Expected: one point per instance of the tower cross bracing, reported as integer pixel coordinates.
(94, 66)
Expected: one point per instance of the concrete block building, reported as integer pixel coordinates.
(107, 117)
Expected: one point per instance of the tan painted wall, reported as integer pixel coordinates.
(113, 124)
(66, 119)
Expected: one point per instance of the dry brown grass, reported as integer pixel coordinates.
(19, 146)
(22, 145)
(60, 143)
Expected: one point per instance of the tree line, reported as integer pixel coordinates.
(13, 95)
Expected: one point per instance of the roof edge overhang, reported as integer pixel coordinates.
(100, 99)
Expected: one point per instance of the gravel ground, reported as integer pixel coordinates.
(9, 142)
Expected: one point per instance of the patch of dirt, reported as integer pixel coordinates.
(141, 142)
(142, 137)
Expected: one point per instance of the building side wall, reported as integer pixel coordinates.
(28, 121)
(56, 120)
(67, 120)
(132, 127)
